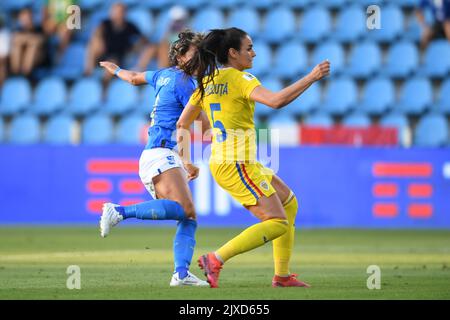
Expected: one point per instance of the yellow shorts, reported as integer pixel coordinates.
(245, 182)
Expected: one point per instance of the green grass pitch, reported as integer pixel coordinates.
(136, 263)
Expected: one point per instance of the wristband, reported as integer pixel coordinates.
(117, 71)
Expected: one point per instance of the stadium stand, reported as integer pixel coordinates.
(377, 75)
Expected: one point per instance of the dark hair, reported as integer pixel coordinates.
(179, 47)
(212, 51)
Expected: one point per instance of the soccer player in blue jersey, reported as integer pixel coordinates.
(160, 168)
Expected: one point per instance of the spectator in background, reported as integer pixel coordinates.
(112, 40)
(440, 10)
(5, 46)
(54, 22)
(178, 16)
(28, 44)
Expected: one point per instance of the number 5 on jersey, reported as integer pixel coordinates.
(217, 123)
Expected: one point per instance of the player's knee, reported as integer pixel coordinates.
(189, 210)
(282, 226)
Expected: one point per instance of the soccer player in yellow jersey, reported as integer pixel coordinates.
(227, 94)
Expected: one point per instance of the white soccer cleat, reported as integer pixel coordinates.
(189, 280)
(110, 218)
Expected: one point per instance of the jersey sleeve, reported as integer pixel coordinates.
(184, 87)
(150, 77)
(247, 82)
(195, 99)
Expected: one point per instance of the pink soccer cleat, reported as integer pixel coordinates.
(290, 281)
(211, 267)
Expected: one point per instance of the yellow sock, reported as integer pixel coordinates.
(282, 246)
(253, 237)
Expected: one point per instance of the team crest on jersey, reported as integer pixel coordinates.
(248, 76)
(264, 185)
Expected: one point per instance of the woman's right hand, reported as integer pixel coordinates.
(321, 70)
(111, 67)
(192, 171)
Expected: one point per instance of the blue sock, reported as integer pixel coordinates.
(160, 209)
(183, 245)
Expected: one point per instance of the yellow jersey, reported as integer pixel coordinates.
(231, 114)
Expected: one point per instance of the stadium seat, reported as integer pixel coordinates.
(379, 96)
(272, 84)
(402, 60)
(392, 23)
(246, 19)
(263, 4)
(298, 4)
(416, 96)
(206, 19)
(400, 122)
(319, 119)
(279, 25)
(286, 126)
(142, 19)
(60, 130)
(89, 4)
(194, 4)
(341, 96)
(129, 129)
(356, 119)
(308, 101)
(25, 129)
(89, 24)
(432, 131)
(15, 95)
(408, 3)
(121, 97)
(443, 102)
(227, 4)
(262, 63)
(50, 95)
(437, 59)
(360, 66)
(351, 24)
(333, 52)
(315, 25)
(97, 129)
(71, 65)
(146, 100)
(290, 60)
(334, 4)
(85, 96)
(156, 4)
(17, 4)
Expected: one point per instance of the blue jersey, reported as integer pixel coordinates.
(173, 89)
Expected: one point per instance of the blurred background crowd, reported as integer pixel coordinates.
(52, 90)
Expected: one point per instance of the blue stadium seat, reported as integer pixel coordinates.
(89, 4)
(315, 25)
(129, 129)
(360, 66)
(432, 131)
(89, 24)
(85, 96)
(72, 63)
(274, 85)
(379, 96)
(279, 25)
(333, 52)
(142, 19)
(416, 96)
(97, 129)
(263, 4)
(207, 19)
(341, 96)
(351, 24)
(146, 100)
(367, 3)
(334, 4)
(246, 19)
(15, 95)
(298, 4)
(156, 4)
(402, 60)
(290, 60)
(121, 97)
(60, 130)
(262, 63)
(25, 129)
(308, 101)
(408, 3)
(50, 95)
(400, 122)
(17, 4)
(319, 119)
(356, 119)
(437, 59)
(392, 23)
(443, 103)
(226, 4)
(194, 4)
(287, 128)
